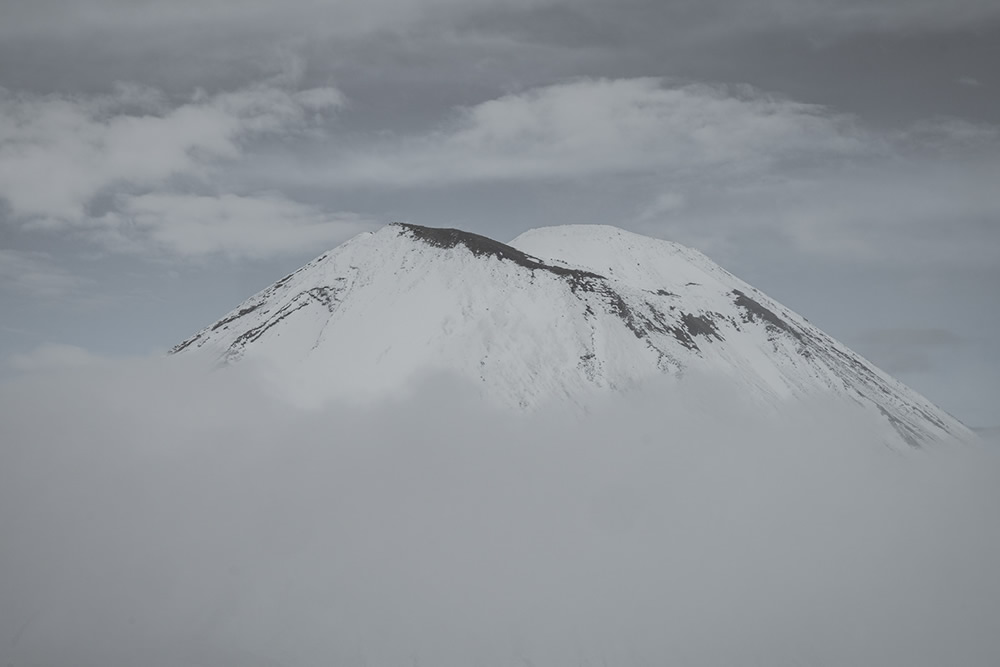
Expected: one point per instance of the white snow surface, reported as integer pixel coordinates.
(559, 314)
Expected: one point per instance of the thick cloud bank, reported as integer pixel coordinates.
(153, 516)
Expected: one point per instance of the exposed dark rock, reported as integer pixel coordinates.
(258, 331)
(683, 337)
(326, 295)
(579, 280)
(236, 315)
(700, 325)
(619, 307)
(482, 246)
(183, 345)
(755, 312)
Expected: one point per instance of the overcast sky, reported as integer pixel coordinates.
(161, 161)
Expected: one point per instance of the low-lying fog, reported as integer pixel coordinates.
(154, 516)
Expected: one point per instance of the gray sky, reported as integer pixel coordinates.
(161, 161)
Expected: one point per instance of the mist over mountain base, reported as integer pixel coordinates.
(152, 514)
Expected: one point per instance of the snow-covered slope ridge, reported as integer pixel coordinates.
(558, 313)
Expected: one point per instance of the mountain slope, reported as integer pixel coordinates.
(558, 313)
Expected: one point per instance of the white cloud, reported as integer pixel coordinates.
(887, 214)
(736, 164)
(924, 211)
(249, 227)
(152, 516)
(732, 159)
(925, 194)
(605, 126)
(36, 274)
(664, 203)
(57, 152)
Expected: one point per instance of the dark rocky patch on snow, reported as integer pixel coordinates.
(481, 246)
(755, 312)
(700, 325)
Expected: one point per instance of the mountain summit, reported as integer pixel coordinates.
(557, 313)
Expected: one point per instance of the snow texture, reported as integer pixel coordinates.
(558, 314)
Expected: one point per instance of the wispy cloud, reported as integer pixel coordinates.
(734, 163)
(129, 150)
(135, 172)
(238, 227)
(605, 126)
(58, 152)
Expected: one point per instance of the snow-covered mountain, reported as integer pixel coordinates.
(557, 313)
